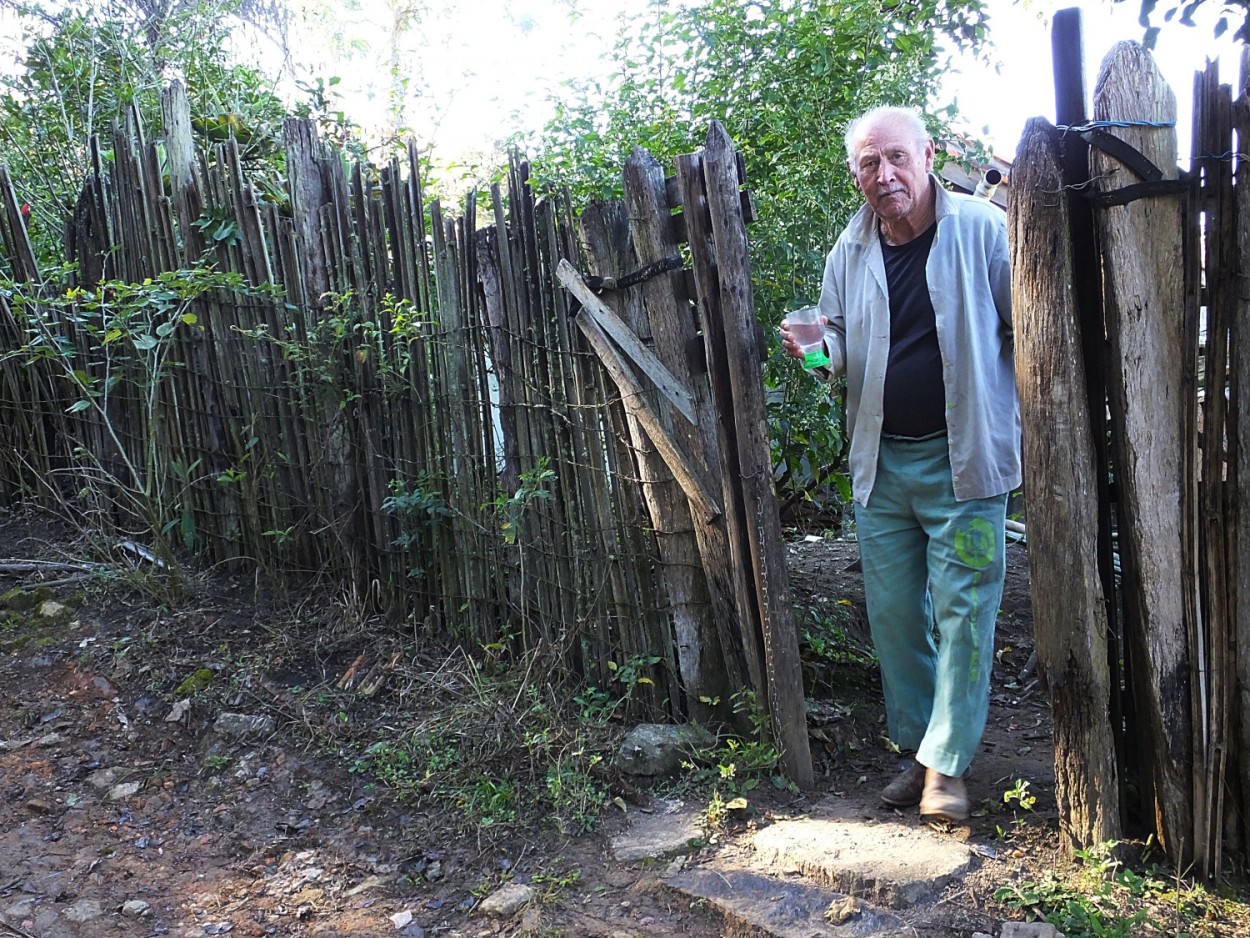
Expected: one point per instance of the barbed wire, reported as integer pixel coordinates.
(1098, 125)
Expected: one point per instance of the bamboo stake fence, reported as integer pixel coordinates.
(436, 411)
(1147, 670)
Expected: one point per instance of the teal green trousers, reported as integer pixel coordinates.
(933, 578)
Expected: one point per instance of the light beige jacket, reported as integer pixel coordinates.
(969, 281)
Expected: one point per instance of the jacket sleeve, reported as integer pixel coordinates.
(831, 306)
(999, 261)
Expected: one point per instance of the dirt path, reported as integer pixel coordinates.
(124, 813)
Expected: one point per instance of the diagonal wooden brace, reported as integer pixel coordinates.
(702, 503)
(629, 343)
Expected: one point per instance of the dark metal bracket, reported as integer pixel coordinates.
(1153, 184)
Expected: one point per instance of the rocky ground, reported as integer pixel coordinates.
(180, 765)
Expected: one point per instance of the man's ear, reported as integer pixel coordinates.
(930, 151)
(854, 175)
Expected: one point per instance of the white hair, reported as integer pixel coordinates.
(908, 116)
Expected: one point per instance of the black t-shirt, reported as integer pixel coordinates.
(915, 395)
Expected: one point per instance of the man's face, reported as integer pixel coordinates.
(891, 168)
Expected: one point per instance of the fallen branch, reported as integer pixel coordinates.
(63, 581)
(49, 566)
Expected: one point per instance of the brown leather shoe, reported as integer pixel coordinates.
(905, 790)
(944, 798)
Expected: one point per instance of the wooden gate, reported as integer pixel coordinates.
(685, 350)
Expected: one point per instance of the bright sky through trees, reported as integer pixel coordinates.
(997, 105)
(478, 71)
(489, 66)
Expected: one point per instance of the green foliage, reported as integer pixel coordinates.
(112, 349)
(351, 334)
(596, 706)
(783, 78)
(807, 435)
(831, 657)
(734, 766)
(219, 226)
(508, 752)
(824, 636)
(86, 65)
(1020, 794)
(1182, 12)
(321, 105)
(633, 671)
(1105, 898)
(535, 486)
(553, 883)
(418, 506)
(216, 763)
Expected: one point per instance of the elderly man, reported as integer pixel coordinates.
(917, 305)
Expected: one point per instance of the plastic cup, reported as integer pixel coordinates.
(809, 332)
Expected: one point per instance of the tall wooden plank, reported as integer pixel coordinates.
(1239, 428)
(697, 222)
(1150, 420)
(1060, 475)
(1071, 110)
(1215, 655)
(305, 155)
(783, 672)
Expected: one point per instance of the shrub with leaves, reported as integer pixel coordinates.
(1104, 897)
(110, 351)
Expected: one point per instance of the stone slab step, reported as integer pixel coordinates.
(892, 863)
(754, 905)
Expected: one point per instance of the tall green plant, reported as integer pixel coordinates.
(784, 77)
(115, 349)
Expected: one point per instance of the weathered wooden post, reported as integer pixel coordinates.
(1060, 476)
(725, 294)
(1071, 110)
(645, 309)
(1150, 384)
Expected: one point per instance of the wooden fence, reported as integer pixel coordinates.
(1132, 351)
(412, 404)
